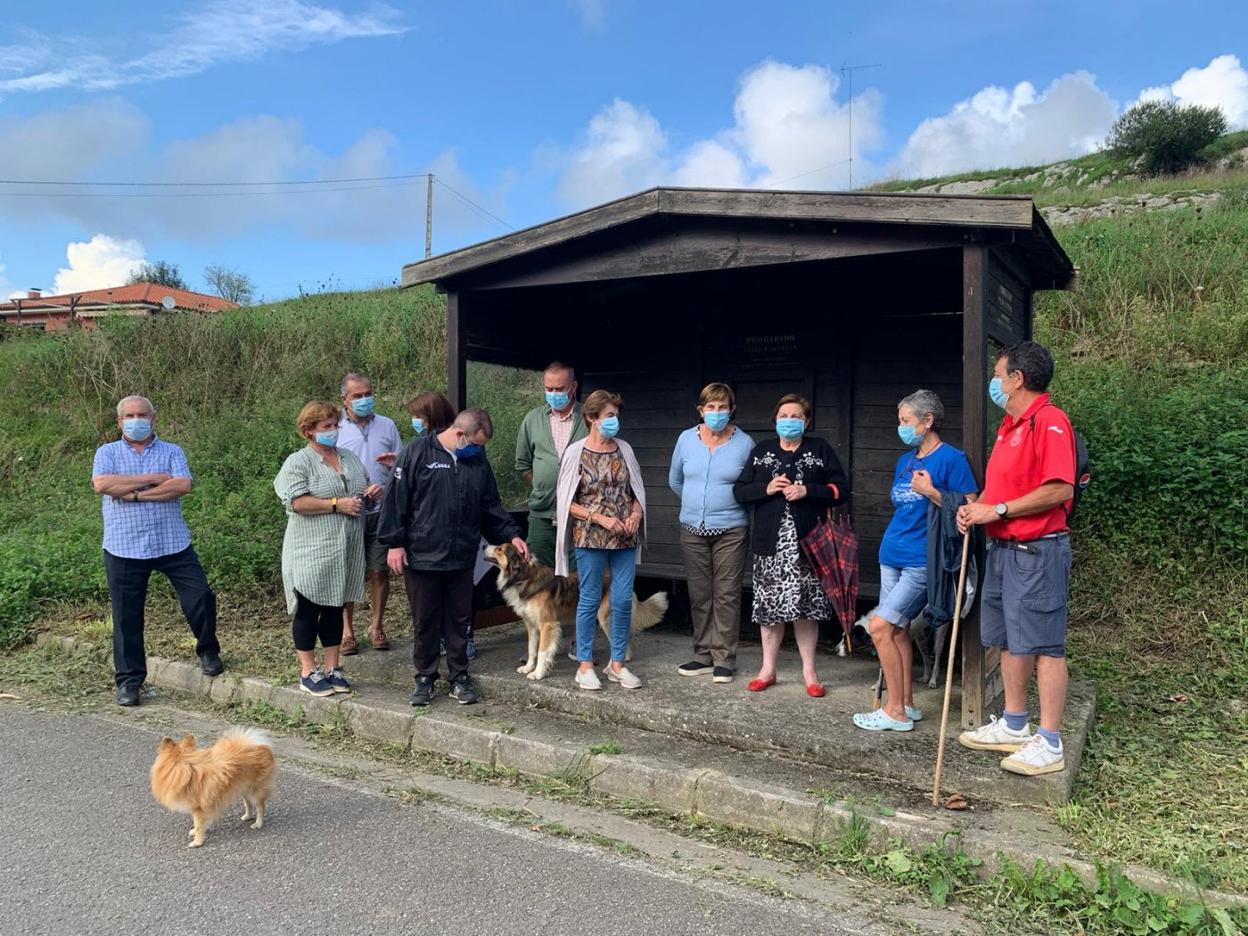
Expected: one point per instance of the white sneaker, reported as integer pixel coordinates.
(913, 713)
(995, 736)
(1034, 758)
(623, 676)
(587, 679)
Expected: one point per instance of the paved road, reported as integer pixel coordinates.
(86, 850)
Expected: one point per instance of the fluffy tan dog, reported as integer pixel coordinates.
(205, 782)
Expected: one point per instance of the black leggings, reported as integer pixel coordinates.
(313, 620)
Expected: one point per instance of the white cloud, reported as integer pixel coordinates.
(789, 125)
(109, 140)
(205, 35)
(998, 127)
(98, 263)
(621, 153)
(789, 131)
(67, 144)
(1222, 83)
(711, 164)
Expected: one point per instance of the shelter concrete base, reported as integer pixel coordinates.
(782, 721)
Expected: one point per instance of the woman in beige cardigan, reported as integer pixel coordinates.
(601, 505)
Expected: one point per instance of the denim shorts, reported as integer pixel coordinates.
(1024, 609)
(903, 593)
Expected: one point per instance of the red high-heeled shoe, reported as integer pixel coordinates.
(815, 690)
(758, 685)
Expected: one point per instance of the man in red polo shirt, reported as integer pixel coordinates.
(1029, 487)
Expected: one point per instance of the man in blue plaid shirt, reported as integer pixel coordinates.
(142, 480)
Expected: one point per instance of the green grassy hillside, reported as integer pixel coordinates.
(1152, 353)
(1093, 178)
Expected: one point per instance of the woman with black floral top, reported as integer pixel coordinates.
(790, 482)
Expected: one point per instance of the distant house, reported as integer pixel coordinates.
(56, 313)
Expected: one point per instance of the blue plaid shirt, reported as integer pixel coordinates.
(147, 529)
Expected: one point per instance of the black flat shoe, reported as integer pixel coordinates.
(128, 696)
(211, 664)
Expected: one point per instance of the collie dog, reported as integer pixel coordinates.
(546, 601)
(206, 781)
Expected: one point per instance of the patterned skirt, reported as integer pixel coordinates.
(785, 588)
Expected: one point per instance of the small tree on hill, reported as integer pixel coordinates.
(230, 284)
(161, 272)
(1165, 136)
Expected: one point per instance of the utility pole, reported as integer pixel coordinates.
(429, 216)
(848, 72)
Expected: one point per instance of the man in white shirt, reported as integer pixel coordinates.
(374, 439)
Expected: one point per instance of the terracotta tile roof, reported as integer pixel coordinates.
(139, 293)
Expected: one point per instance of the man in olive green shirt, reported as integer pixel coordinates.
(545, 433)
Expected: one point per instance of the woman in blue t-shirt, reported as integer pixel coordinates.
(929, 467)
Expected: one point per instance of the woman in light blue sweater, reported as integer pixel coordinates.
(714, 530)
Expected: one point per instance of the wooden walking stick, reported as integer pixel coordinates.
(953, 642)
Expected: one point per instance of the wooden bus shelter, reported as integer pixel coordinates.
(852, 299)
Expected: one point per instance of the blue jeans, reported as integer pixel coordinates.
(591, 564)
(903, 593)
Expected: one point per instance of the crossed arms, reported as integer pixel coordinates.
(154, 486)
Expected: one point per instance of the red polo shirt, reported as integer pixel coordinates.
(1032, 450)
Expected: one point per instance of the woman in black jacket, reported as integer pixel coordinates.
(790, 482)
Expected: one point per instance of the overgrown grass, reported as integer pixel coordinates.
(227, 389)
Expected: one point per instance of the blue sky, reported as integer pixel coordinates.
(528, 109)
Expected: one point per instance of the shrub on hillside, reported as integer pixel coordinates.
(1165, 136)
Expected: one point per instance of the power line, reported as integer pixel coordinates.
(392, 178)
(248, 194)
(469, 201)
(813, 171)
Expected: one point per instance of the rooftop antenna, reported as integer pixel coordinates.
(848, 72)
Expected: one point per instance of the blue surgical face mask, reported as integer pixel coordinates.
(328, 439)
(790, 428)
(137, 429)
(909, 435)
(557, 399)
(363, 406)
(716, 420)
(418, 425)
(471, 450)
(997, 393)
(609, 427)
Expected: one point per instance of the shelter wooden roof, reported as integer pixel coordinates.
(1006, 220)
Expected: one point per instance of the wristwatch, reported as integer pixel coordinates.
(1002, 509)
(333, 505)
(134, 496)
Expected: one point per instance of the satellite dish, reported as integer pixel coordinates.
(168, 302)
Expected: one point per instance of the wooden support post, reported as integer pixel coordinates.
(974, 441)
(456, 352)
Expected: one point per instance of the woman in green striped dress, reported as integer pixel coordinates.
(322, 487)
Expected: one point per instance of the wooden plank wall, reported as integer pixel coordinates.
(894, 357)
(659, 403)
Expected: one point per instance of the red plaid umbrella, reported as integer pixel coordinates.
(832, 548)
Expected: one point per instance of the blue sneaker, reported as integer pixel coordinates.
(338, 680)
(316, 684)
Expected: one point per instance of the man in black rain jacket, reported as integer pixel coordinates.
(442, 501)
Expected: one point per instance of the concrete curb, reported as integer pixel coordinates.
(710, 794)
